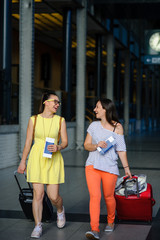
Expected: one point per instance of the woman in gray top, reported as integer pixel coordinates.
(101, 164)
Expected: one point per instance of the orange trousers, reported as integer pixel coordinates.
(94, 178)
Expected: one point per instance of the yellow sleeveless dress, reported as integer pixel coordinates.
(41, 169)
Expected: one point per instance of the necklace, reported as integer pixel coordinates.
(49, 127)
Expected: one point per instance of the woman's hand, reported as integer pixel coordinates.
(29, 136)
(22, 167)
(127, 172)
(53, 148)
(102, 144)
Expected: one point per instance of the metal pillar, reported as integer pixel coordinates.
(138, 96)
(99, 64)
(67, 60)
(158, 103)
(110, 67)
(5, 60)
(26, 66)
(126, 92)
(147, 100)
(81, 75)
(153, 100)
(118, 81)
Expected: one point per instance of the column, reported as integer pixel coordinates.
(81, 76)
(126, 92)
(147, 110)
(153, 99)
(5, 61)
(67, 60)
(138, 95)
(110, 67)
(117, 81)
(26, 66)
(99, 65)
(158, 102)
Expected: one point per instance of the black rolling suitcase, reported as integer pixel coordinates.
(25, 199)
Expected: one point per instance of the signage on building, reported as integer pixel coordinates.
(152, 47)
(152, 59)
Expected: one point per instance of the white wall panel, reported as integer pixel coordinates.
(8, 150)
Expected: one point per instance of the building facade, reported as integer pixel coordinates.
(82, 50)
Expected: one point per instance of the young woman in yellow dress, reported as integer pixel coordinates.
(42, 170)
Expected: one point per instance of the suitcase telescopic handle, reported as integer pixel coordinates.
(15, 175)
(134, 178)
(127, 177)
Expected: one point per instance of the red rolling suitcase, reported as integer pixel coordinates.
(135, 207)
(25, 199)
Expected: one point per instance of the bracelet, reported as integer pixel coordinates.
(60, 147)
(126, 167)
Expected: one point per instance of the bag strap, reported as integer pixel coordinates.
(135, 179)
(115, 127)
(59, 132)
(35, 119)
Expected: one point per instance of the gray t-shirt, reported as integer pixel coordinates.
(108, 161)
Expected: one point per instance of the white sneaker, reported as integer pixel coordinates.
(92, 235)
(61, 219)
(37, 231)
(109, 228)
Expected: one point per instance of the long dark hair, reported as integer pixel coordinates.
(45, 96)
(111, 113)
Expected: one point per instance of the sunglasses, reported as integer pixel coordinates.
(53, 100)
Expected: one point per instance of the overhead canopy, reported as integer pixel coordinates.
(129, 9)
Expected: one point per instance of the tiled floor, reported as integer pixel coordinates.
(143, 156)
